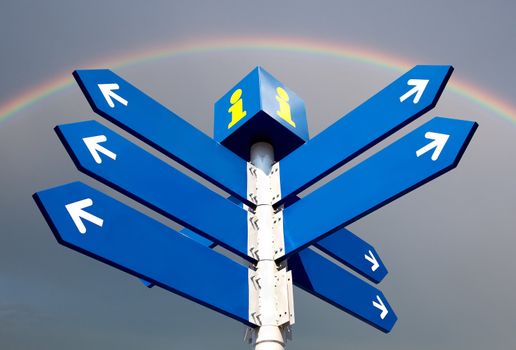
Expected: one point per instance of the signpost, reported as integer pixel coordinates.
(263, 158)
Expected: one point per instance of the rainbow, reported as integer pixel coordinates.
(470, 92)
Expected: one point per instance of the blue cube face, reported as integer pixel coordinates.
(237, 106)
(260, 108)
(282, 104)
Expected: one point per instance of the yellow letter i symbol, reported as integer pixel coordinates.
(284, 106)
(237, 108)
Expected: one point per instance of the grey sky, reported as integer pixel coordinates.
(448, 246)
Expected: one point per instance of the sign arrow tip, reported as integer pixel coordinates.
(419, 86)
(438, 143)
(92, 143)
(380, 306)
(76, 212)
(109, 95)
(372, 259)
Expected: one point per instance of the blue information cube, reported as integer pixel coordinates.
(260, 108)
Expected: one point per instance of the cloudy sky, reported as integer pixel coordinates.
(448, 246)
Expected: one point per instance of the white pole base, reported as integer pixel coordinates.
(269, 338)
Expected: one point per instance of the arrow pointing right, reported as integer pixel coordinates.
(93, 146)
(378, 180)
(419, 86)
(439, 140)
(343, 246)
(381, 306)
(380, 116)
(352, 251)
(328, 281)
(109, 95)
(372, 259)
(77, 214)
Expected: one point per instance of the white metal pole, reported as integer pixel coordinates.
(269, 335)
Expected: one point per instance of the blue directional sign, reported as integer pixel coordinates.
(113, 160)
(324, 279)
(422, 155)
(121, 103)
(407, 98)
(355, 253)
(96, 225)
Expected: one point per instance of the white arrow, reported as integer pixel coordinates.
(419, 86)
(77, 214)
(439, 140)
(380, 306)
(109, 95)
(93, 146)
(372, 259)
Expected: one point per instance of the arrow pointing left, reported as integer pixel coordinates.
(145, 248)
(157, 185)
(109, 95)
(164, 130)
(77, 214)
(92, 143)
